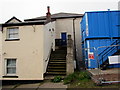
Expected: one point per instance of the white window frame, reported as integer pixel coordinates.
(13, 33)
(7, 74)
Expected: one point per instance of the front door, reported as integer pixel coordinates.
(64, 38)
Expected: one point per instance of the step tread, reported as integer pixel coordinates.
(56, 70)
(57, 62)
(52, 67)
(58, 58)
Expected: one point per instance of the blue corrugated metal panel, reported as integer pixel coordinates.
(96, 43)
(99, 29)
(83, 27)
(101, 24)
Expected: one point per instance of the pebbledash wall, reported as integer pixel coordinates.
(31, 51)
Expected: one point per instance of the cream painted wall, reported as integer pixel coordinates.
(49, 42)
(14, 21)
(28, 51)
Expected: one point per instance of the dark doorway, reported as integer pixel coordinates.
(63, 39)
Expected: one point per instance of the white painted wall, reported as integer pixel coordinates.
(49, 42)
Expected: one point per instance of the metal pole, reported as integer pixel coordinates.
(101, 79)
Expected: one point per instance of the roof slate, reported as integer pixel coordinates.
(56, 16)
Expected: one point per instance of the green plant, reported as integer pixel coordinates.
(57, 79)
(76, 76)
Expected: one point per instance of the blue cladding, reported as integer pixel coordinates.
(100, 28)
(101, 24)
(98, 43)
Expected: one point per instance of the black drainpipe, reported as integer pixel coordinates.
(74, 39)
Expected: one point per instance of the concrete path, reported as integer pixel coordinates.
(53, 85)
(108, 71)
(32, 86)
(8, 87)
(37, 86)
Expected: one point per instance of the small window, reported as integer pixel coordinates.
(10, 66)
(49, 29)
(53, 29)
(12, 33)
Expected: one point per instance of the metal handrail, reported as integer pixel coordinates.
(107, 51)
(107, 48)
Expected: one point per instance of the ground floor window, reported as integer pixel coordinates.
(10, 66)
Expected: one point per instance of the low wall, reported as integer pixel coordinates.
(70, 56)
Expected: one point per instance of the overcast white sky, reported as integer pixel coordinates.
(25, 9)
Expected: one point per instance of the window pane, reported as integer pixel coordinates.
(15, 36)
(15, 30)
(11, 70)
(9, 62)
(11, 36)
(13, 62)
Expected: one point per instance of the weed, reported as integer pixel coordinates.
(57, 79)
(76, 76)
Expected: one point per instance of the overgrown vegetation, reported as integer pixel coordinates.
(83, 80)
(57, 79)
(76, 76)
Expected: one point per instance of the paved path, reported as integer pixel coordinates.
(37, 86)
(53, 85)
(108, 71)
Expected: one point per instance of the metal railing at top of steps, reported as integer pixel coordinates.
(103, 56)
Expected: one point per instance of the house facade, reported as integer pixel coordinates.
(26, 49)
(65, 24)
(26, 46)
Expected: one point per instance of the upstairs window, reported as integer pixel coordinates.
(12, 33)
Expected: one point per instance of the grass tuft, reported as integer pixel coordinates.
(57, 79)
(76, 76)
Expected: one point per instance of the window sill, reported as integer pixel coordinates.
(10, 76)
(12, 39)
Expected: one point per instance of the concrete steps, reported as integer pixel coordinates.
(57, 62)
